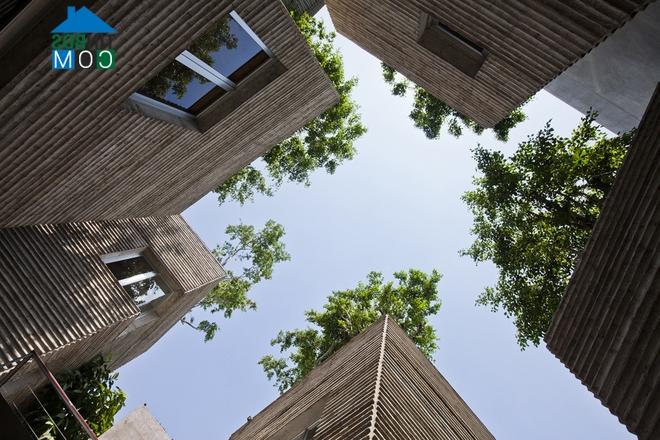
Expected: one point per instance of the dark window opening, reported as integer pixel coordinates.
(309, 433)
(452, 47)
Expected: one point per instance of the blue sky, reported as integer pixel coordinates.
(396, 206)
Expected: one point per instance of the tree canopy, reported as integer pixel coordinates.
(410, 300)
(324, 143)
(430, 114)
(92, 390)
(256, 253)
(533, 213)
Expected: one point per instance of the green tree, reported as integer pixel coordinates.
(533, 213)
(326, 142)
(92, 390)
(430, 114)
(256, 252)
(176, 77)
(410, 301)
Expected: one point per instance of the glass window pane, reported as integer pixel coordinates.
(127, 268)
(226, 47)
(178, 85)
(145, 291)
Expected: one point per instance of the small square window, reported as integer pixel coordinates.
(307, 434)
(212, 66)
(137, 276)
(465, 55)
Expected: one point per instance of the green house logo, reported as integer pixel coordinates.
(81, 41)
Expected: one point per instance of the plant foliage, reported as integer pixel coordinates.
(323, 143)
(256, 252)
(91, 388)
(533, 213)
(410, 300)
(431, 114)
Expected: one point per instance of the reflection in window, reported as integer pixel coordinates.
(218, 60)
(137, 277)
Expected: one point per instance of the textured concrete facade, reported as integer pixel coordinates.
(70, 148)
(607, 328)
(378, 386)
(140, 424)
(527, 43)
(618, 77)
(309, 6)
(60, 299)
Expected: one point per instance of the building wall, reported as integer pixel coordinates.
(411, 386)
(57, 297)
(72, 151)
(607, 327)
(348, 378)
(309, 6)
(618, 77)
(528, 42)
(140, 424)
(378, 386)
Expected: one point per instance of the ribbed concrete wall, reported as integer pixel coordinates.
(348, 378)
(309, 6)
(415, 401)
(58, 297)
(69, 151)
(378, 386)
(607, 327)
(529, 42)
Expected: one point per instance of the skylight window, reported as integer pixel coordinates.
(212, 66)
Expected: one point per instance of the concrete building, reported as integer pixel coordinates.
(378, 386)
(310, 6)
(72, 291)
(607, 327)
(618, 77)
(482, 58)
(91, 144)
(98, 163)
(140, 424)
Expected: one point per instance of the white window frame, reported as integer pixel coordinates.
(137, 278)
(205, 70)
(201, 68)
(121, 256)
(127, 255)
(250, 32)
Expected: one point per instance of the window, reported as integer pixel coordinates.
(308, 434)
(452, 47)
(136, 275)
(211, 67)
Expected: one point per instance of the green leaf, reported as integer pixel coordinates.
(410, 300)
(533, 213)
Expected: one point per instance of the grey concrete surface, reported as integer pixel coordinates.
(138, 425)
(618, 77)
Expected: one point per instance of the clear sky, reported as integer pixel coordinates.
(395, 206)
